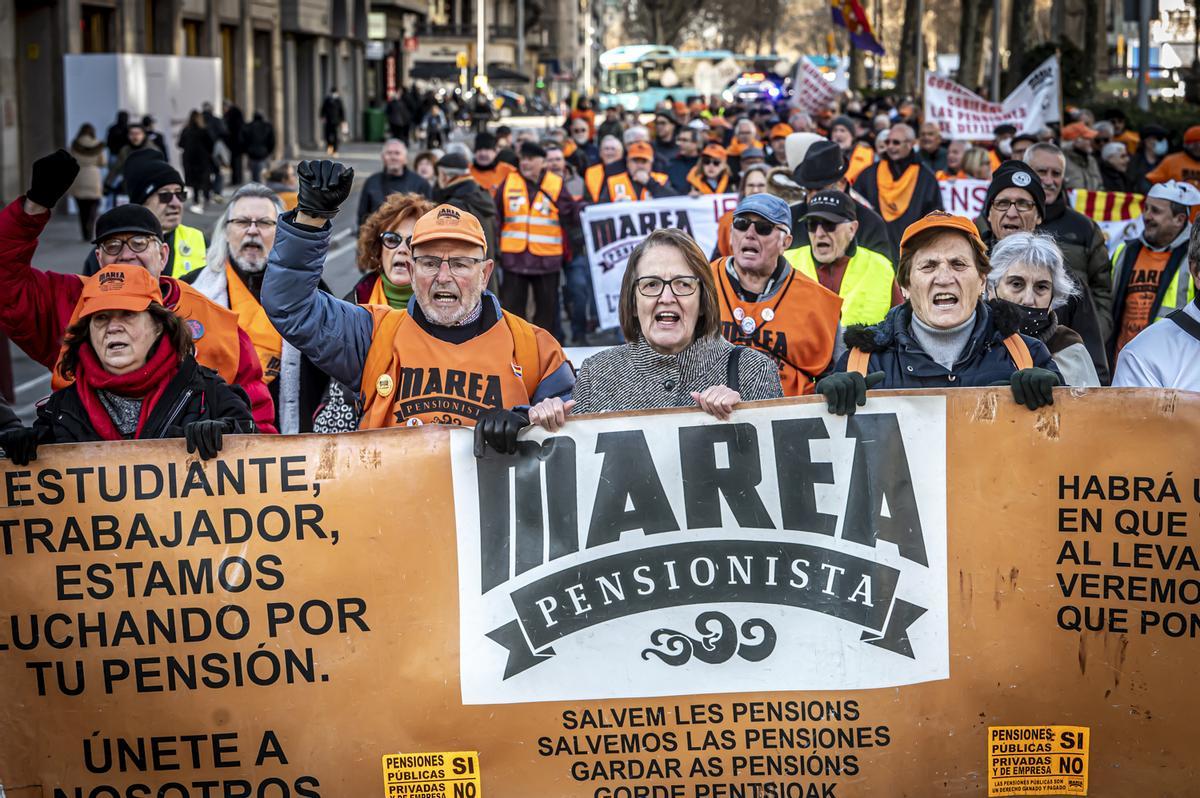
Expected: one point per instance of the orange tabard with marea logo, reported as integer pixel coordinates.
(797, 326)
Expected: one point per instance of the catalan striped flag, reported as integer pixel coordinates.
(1108, 206)
(849, 14)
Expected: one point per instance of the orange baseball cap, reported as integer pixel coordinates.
(781, 131)
(1077, 130)
(640, 149)
(715, 151)
(119, 287)
(445, 222)
(940, 220)
(1192, 135)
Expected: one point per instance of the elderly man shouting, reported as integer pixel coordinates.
(452, 357)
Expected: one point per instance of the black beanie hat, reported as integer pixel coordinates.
(1016, 174)
(146, 172)
(485, 141)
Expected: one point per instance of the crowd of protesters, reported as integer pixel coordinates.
(838, 271)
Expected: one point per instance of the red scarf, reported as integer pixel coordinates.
(147, 383)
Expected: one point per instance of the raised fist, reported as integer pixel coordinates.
(324, 186)
(53, 175)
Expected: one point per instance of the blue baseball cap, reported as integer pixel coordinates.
(769, 207)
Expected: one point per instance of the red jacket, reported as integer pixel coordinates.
(38, 305)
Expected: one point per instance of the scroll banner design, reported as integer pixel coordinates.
(885, 621)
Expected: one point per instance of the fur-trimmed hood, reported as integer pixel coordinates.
(1001, 318)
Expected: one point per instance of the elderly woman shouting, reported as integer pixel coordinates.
(134, 376)
(1029, 276)
(945, 335)
(676, 356)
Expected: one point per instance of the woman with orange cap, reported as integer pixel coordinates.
(134, 375)
(711, 175)
(945, 335)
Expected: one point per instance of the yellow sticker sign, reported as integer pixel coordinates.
(1037, 760)
(451, 774)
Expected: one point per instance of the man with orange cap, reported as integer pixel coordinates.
(630, 180)
(778, 144)
(451, 357)
(1183, 167)
(1083, 170)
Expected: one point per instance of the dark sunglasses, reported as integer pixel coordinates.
(165, 196)
(821, 224)
(392, 240)
(762, 226)
(711, 162)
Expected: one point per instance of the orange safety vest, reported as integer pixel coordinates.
(411, 378)
(214, 331)
(620, 187)
(493, 178)
(797, 326)
(253, 319)
(861, 157)
(697, 181)
(532, 225)
(1018, 350)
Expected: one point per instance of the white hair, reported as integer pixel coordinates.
(636, 133)
(745, 122)
(1105, 128)
(1112, 149)
(218, 248)
(1039, 251)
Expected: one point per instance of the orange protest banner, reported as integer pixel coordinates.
(944, 595)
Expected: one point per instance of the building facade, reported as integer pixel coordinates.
(279, 57)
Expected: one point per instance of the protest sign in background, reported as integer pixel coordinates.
(1119, 214)
(813, 90)
(613, 229)
(320, 624)
(963, 114)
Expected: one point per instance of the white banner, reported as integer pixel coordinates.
(813, 91)
(964, 197)
(963, 114)
(613, 229)
(626, 557)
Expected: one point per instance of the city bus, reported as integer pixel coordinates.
(639, 77)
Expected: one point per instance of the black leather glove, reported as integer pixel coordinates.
(498, 428)
(847, 390)
(205, 437)
(324, 186)
(53, 175)
(1033, 387)
(20, 444)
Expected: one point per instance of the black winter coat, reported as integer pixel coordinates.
(196, 393)
(381, 185)
(258, 139)
(896, 352)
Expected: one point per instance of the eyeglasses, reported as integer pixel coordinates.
(821, 224)
(165, 197)
(579, 130)
(114, 246)
(711, 162)
(244, 224)
(896, 142)
(680, 286)
(393, 240)
(762, 226)
(1023, 206)
(459, 267)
